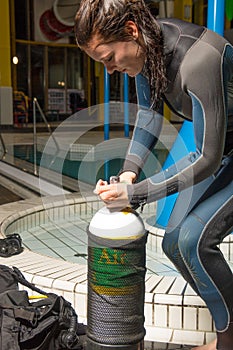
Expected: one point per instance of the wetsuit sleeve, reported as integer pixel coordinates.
(147, 129)
(203, 73)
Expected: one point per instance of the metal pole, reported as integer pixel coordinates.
(106, 116)
(46, 123)
(126, 105)
(3, 147)
(106, 104)
(34, 136)
(216, 16)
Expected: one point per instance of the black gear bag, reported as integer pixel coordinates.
(11, 245)
(47, 324)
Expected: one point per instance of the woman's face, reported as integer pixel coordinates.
(122, 56)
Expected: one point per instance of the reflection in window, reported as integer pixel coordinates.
(56, 67)
(75, 69)
(22, 68)
(37, 73)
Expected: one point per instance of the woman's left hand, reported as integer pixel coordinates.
(115, 195)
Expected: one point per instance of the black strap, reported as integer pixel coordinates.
(21, 279)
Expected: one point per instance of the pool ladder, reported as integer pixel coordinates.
(3, 149)
(36, 106)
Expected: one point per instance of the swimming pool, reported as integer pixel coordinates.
(84, 164)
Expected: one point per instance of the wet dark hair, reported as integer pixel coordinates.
(108, 18)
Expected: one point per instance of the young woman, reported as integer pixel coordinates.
(191, 69)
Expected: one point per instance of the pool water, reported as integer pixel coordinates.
(94, 170)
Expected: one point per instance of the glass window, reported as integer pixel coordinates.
(75, 68)
(37, 73)
(22, 28)
(56, 80)
(22, 68)
(56, 67)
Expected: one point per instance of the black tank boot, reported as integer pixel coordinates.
(225, 339)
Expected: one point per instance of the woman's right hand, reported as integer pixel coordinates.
(128, 177)
(114, 195)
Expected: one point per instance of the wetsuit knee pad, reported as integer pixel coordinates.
(170, 243)
(190, 232)
(183, 239)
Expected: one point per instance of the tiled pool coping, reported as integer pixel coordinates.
(173, 312)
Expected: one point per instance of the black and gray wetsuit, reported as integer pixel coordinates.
(199, 66)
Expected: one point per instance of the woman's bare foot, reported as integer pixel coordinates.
(210, 346)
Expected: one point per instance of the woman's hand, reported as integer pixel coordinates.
(128, 177)
(115, 195)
